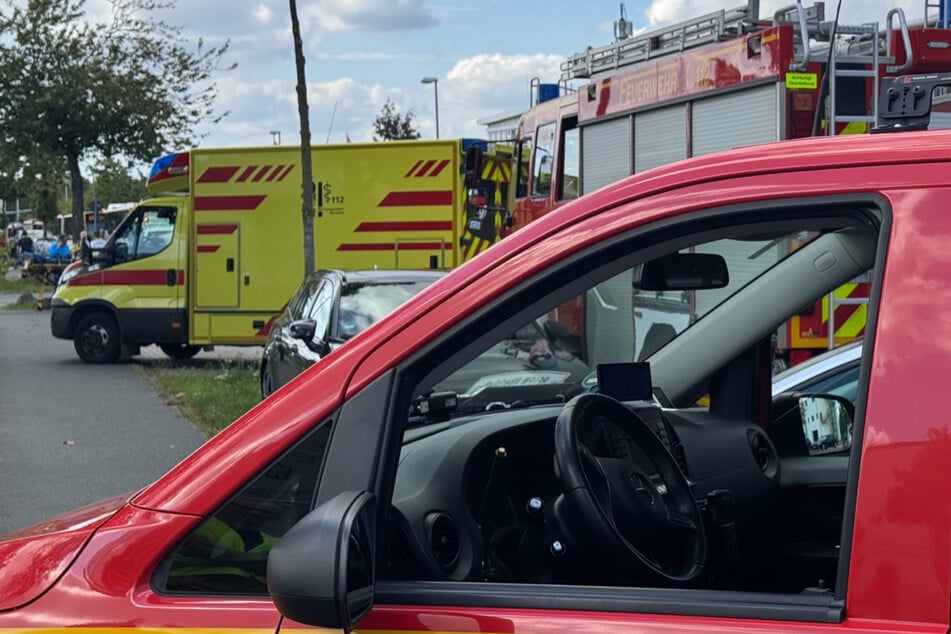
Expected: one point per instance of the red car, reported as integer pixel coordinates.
(433, 475)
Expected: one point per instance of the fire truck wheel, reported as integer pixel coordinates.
(97, 338)
(180, 350)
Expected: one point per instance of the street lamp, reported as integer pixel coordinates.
(276, 137)
(435, 83)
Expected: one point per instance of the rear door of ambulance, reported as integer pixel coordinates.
(387, 205)
(246, 255)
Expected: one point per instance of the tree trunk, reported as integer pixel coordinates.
(76, 187)
(307, 169)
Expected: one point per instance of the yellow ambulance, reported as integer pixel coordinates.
(214, 257)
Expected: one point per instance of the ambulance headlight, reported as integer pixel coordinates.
(69, 273)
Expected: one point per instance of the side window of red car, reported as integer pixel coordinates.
(227, 553)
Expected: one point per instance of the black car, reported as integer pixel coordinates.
(328, 308)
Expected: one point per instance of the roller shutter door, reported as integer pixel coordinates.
(739, 118)
(606, 154)
(660, 136)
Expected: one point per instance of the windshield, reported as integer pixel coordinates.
(556, 356)
(363, 304)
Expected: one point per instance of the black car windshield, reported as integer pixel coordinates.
(361, 304)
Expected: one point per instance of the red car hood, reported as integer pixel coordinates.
(32, 559)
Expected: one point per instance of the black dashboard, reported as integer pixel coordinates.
(480, 497)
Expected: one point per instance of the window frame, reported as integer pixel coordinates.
(436, 359)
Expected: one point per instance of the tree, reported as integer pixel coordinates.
(132, 86)
(307, 170)
(114, 184)
(389, 125)
(40, 181)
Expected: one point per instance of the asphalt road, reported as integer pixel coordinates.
(72, 433)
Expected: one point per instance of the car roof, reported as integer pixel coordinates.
(381, 276)
(817, 366)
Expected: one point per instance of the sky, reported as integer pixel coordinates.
(359, 53)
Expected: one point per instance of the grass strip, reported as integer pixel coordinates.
(210, 395)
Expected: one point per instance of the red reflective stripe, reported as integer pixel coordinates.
(390, 246)
(207, 248)
(246, 174)
(286, 171)
(413, 169)
(221, 174)
(409, 225)
(213, 229)
(229, 203)
(400, 199)
(442, 165)
(277, 170)
(425, 168)
(145, 277)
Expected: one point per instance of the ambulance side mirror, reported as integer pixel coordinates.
(322, 571)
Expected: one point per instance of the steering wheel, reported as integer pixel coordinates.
(625, 492)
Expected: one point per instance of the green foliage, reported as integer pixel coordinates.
(130, 86)
(35, 180)
(209, 394)
(389, 125)
(114, 184)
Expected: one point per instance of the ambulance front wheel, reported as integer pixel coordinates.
(97, 338)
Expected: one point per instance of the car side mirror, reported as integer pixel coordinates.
(303, 329)
(322, 572)
(807, 424)
(826, 422)
(306, 331)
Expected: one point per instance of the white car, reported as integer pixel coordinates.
(833, 372)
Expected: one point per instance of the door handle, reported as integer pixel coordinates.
(170, 277)
(229, 264)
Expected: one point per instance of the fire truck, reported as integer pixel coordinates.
(215, 255)
(721, 80)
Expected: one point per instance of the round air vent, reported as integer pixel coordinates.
(443, 540)
(762, 450)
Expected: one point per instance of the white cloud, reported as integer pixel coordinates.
(661, 12)
(372, 15)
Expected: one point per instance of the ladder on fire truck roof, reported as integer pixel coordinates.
(625, 50)
(854, 51)
(851, 51)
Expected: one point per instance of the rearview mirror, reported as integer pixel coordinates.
(682, 272)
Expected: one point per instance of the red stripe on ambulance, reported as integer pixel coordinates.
(227, 203)
(217, 229)
(413, 169)
(400, 199)
(146, 277)
(246, 174)
(220, 174)
(442, 165)
(390, 246)
(408, 225)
